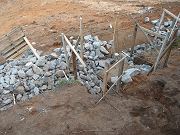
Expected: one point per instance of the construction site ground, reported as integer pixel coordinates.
(150, 105)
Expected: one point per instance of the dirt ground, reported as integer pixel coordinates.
(148, 106)
(44, 20)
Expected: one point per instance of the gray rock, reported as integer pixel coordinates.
(14, 71)
(126, 78)
(97, 44)
(12, 79)
(99, 54)
(5, 85)
(84, 77)
(92, 84)
(146, 19)
(114, 79)
(63, 65)
(88, 38)
(7, 101)
(44, 87)
(25, 97)
(33, 59)
(20, 89)
(21, 74)
(154, 22)
(41, 61)
(88, 46)
(37, 70)
(18, 97)
(103, 50)
(30, 72)
(36, 91)
(2, 80)
(31, 95)
(31, 85)
(52, 65)
(59, 74)
(29, 64)
(47, 74)
(6, 92)
(6, 79)
(97, 89)
(1, 67)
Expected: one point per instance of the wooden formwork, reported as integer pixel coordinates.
(14, 44)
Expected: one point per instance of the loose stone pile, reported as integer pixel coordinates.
(26, 77)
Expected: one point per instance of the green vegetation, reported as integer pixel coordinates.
(65, 82)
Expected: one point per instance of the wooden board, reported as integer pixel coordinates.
(12, 45)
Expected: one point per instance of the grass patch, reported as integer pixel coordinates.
(65, 82)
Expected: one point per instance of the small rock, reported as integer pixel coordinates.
(20, 89)
(41, 61)
(6, 92)
(37, 70)
(7, 101)
(103, 50)
(29, 72)
(18, 97)
(146, 19)
(21, 74)
(35, 76)
(36, 91)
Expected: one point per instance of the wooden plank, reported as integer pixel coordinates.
(14, 31)
(104, 95)
(18, 53)
(15, 50)
(31, 47)
(74, 65)
(169, 50)
(4, 42)
(151, 32)
(72, 48)
(116, 64)
(81, 38)
(172, 15)
(13, 46)
(172, 31)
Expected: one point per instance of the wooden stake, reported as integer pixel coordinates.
(31, 47)
(161, 50)
(172, 31)
(160, 22)
(65, 50)
(104, 87)
(81, 38)
(72, 48)
(114, 37)
(172, 15)
(169, 50)
(134, 39)
(74, 65)
(120, 72)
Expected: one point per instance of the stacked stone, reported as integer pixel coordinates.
(96, 55)
(28, 76)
